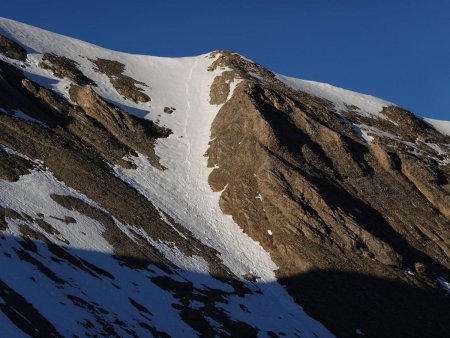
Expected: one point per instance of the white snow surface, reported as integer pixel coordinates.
(341, 98)
(441, 126)
(31, 195)
(367, 105)
(182, 190)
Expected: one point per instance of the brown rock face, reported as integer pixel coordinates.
(331, 209)
(64, 67)
(430, 182)
(125, 85)
(169, 110)
(138, 134)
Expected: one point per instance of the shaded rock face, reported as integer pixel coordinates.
(297, 178)
(378, 307)
(12, 49)
(13, 166)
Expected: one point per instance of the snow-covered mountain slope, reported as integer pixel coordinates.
(341, 98)
(196, 196)
(181, 192)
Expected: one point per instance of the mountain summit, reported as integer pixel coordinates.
(207, 196)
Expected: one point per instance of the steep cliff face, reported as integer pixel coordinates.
(173, 197)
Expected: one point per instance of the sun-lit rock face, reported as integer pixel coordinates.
(209, 196)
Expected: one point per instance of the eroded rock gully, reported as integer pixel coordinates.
(329, 208)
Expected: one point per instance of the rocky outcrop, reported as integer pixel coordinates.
(298, 179)
(124, 84)
(64, 67)
(169, 110)
(137, 134)
(430, 182)
(13, 166)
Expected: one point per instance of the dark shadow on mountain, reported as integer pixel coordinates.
(343, 301)
(118, 296)
(347, 301)
(44, 81)
(141, 113)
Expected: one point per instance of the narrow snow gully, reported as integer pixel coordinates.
(182, 191)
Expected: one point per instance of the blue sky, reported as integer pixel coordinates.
(398, 50)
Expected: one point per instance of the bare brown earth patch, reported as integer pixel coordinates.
(124, 84)
(12, 49)
(298, 179)
(48, 228)
(64, 67)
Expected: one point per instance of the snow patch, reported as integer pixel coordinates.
(441, 126)
(445, 285)
(21, 115)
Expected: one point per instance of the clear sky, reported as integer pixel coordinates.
(398, 50)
